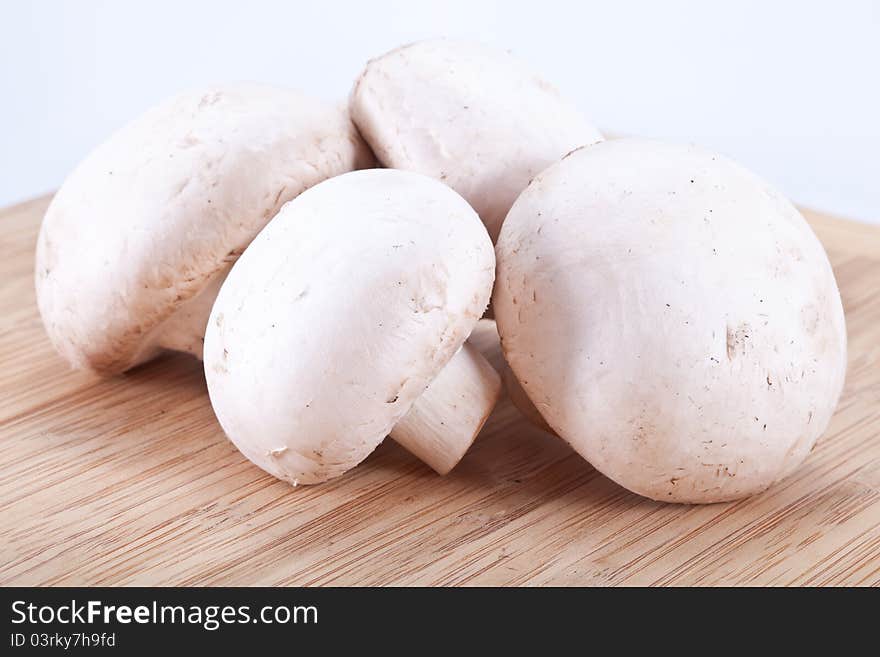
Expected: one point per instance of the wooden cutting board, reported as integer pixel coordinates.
(131, 481)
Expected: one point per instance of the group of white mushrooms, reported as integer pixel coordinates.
(661, 309)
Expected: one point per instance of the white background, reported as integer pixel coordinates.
(790, 89)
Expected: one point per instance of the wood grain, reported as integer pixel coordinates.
(131, 481)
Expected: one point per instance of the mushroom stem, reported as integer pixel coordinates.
(185, 329)
(444, 421)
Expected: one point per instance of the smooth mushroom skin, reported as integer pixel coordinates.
(521, 401)
(673, 317)
(472, 116)
(338, 317)
(159, 212)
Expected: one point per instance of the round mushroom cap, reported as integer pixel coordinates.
(472, 116)
(673, 318)
(170, 201)
(339, 315)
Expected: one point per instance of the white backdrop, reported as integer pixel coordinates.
(790, 89)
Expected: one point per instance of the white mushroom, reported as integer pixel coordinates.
(521, 401)
(137, 241)
(673, 318)
(356, 298)
(469, 115)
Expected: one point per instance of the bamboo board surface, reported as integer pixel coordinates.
(131, 481)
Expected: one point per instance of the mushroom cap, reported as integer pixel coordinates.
(521, 401)
(472, 116)
(339, 315)
(674, 318)
(145, 221)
